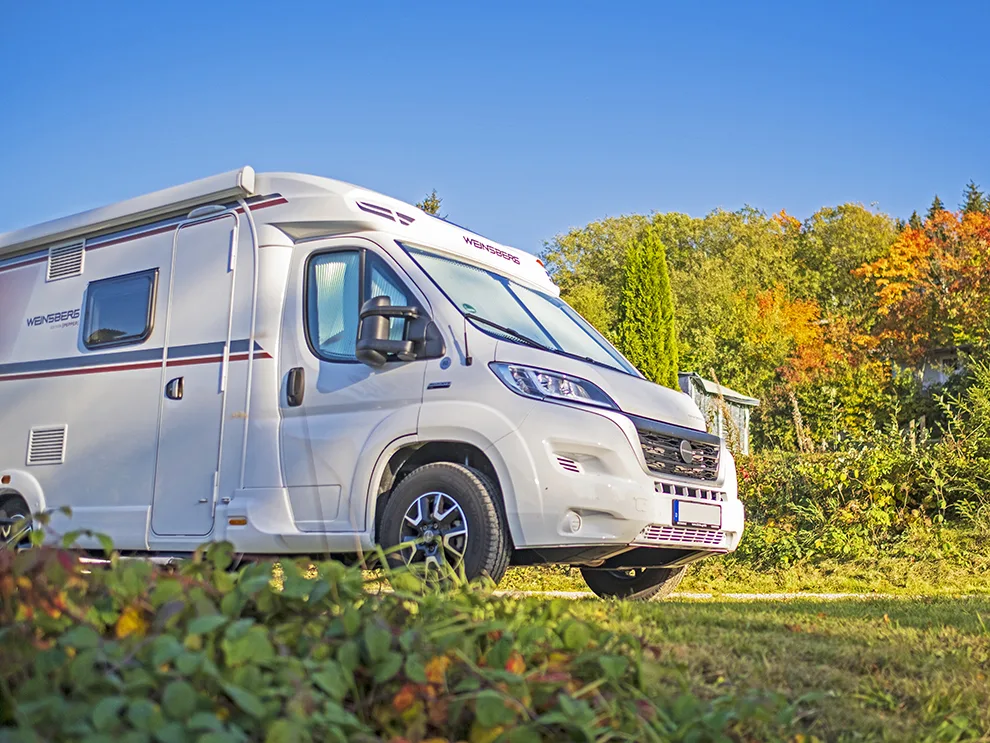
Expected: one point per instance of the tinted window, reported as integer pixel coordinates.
(333, 293)
(384, 283)
(545, 319)
(337, 285)
(120, 310)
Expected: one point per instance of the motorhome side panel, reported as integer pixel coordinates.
(262, 466)
(80, 365)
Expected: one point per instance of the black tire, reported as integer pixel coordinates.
(13, 507)
(487, 549)
(649, 584)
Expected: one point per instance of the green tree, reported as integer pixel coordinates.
(833, 242)
(974, 199)
(593, 254)
(718, 265)
(646, 332)
(593, 304)
(936, 207)
(915, 221)
(431, 204)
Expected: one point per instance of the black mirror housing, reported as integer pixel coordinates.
(423, 337)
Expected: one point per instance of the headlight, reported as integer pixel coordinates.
(542, 384)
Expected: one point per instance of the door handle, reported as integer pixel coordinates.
(295, 386)
(174, 389)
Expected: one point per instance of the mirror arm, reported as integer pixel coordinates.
(409, 313)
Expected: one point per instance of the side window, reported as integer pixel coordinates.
(121, 310)
(383, 282)
(332, 298)
(337, 284)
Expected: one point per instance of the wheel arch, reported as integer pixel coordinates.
(411, 456)
(24, 485)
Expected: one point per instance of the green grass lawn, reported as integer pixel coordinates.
(900, 575)
(877, 669)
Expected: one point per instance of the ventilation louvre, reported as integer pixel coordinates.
(65, 261)
(47, 445)
(569, 465)
(669, 488)
(678, 535)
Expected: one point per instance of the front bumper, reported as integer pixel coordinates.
(579, 479)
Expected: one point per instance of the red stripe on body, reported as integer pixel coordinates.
(242, 356)
(31, 262)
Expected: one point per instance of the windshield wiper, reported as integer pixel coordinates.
(536, 344)
(590, 360)
(514, 333)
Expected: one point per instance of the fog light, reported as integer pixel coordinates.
(573, 522)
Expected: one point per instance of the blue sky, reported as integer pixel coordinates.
(529, 118)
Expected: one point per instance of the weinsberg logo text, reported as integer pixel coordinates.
(491, 249)
(53, 317)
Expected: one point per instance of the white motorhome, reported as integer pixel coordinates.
(301, 366)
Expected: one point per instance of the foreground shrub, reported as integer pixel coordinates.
(134, 653)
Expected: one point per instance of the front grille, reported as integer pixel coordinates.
(663, 455)
(688, 491)
(656, 533)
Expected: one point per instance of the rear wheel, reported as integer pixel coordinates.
(15, 522)
(641, 584)
(445, 517)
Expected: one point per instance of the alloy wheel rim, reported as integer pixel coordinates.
(15, 531)
(434, 531)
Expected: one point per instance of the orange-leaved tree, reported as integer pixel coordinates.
(933, 288)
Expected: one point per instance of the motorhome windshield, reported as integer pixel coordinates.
(513, 312)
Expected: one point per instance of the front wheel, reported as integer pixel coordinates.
(445, 517)
(642, 584)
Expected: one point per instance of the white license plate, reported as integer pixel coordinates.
(697, 514)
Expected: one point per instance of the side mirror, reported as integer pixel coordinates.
(423, 338)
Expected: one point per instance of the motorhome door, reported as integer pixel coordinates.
(197, 348)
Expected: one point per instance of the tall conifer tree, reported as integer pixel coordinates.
(936, 207)
(974, 200)
(645, 329)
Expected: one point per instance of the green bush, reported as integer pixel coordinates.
(136, 653)
(892, 489)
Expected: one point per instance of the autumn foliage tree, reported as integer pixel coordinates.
(933, 287)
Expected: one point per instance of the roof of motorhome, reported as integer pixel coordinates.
(226, 186)
(317, 206)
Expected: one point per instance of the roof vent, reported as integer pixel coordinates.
(65, 261)
(47, 445)
(378, 211)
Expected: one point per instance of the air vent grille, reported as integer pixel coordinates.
(569, 465)
(385, 212)
(657, 533)
(703, 493)
(65, 262)
(47, 445)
